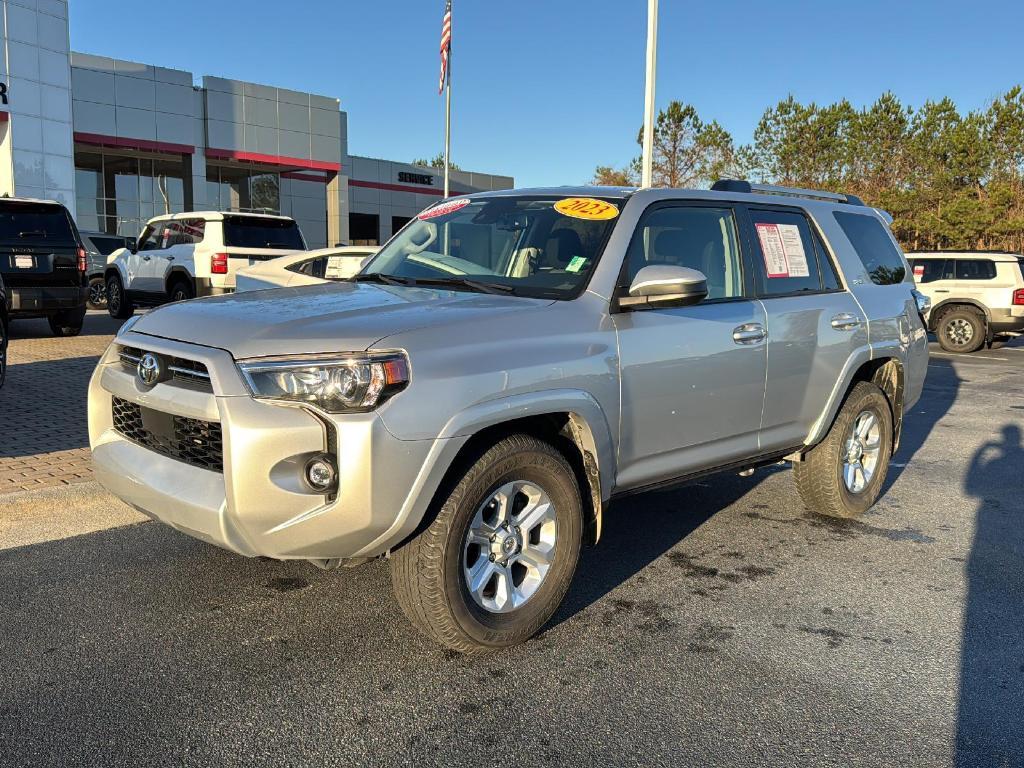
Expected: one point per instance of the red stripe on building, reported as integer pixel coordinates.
(125, 143)
(304, 177)
(4, 117)
(401, 188)
(256, 157)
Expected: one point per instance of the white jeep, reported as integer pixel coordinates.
(182, 255)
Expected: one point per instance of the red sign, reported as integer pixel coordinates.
(443, 209)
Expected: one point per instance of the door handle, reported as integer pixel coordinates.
(941, 290)
(844, 321)
(146, 258)
(749, 333)
(170, 258)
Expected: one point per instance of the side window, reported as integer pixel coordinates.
(690, 236)
(153, 238)
(311, 267)
(788, 259)
(877, 252)
(930, 270)
(975, 269)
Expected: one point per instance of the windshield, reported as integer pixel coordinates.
(35, 224)
(529, 246)
(253, 232)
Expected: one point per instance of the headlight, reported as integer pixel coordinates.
(358, 382)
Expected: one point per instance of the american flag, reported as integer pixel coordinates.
(446, 44)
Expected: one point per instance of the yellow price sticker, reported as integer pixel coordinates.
(586, 208)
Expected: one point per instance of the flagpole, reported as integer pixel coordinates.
(448, 117)
(647, 172)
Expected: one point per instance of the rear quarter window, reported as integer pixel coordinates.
(252, 232)
(874, 246)
(975, 269)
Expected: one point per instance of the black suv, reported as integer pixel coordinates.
(43, 263)
(3, 331)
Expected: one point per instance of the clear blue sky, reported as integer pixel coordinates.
(547, 89)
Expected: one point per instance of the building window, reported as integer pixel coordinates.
(118, 193)
(364, 229)
(229, 188)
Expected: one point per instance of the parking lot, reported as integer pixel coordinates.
(715, 623)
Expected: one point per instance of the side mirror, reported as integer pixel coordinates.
(665, 286)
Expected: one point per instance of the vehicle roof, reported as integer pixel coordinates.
(654, 194)
(990, 255)
(30, 200)
(214, 216)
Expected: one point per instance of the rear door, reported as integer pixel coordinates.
(813, 324)
(38, 245)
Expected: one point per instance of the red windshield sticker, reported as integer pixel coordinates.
(443, 209)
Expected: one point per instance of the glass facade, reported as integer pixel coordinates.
(119, 192)
(230, 188)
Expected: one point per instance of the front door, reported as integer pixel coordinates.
(692, 377)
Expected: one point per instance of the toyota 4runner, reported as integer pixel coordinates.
(510, 362)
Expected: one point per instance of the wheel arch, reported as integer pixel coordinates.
(947, 304)
(178, 274)
(887, 372)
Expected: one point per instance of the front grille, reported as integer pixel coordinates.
(192, 441)
(182, 370)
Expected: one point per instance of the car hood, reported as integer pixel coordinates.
(334, 317)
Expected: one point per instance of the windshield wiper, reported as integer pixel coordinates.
(378, 277)
(466, 282)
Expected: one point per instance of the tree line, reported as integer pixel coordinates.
(950, 179)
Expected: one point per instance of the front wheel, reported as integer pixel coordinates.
(496, 561)
(181, 291)
(842, 475)
(97, 293)
(961, 330)
(119, 305)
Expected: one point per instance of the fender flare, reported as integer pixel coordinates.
(178, 271)
(117, 268)
(936, 311)
(590, 430)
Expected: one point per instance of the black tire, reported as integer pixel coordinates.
(3, 349)
(67, 323)
(961, 329)
(97, 293)
(427, 573)
(819, 477)
(180, 290)
(119, 305)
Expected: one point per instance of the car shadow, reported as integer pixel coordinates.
(991, 702)
(96, 324)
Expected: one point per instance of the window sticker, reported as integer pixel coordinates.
(783, 250)
(576, 263)
(586, 208)
(443, 209)
(919, 270)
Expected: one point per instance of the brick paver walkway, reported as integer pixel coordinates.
(43, 436)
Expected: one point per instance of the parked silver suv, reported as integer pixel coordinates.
(470, 403)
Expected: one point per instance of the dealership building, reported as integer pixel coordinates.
(118, 142)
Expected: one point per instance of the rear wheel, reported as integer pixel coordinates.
(843, 474)
(494, 564)
(180, 290)
(119, 305)
(97, 294)
(961, 330)
(67, 323)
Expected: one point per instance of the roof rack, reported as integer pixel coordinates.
(739, 185)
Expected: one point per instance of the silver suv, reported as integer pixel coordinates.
(977, 296)
(510, 362)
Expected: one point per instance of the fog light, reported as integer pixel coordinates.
(320, 473)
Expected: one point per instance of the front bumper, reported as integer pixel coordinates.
(32, 300)
(259, 504)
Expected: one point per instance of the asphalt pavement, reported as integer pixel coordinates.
(715, 624)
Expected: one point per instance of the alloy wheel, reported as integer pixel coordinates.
(959, 332)
(863, 449)
(509, 547)
(97, 294)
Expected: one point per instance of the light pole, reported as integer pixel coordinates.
(652, 68)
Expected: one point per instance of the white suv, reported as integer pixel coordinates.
(976, 296)
(182, 255)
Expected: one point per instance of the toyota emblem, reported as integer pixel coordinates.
(150, 370)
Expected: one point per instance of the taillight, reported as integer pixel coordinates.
(83, 264)
(219, 264)
(1018, 297)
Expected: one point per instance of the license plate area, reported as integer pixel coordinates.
(24, 261)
